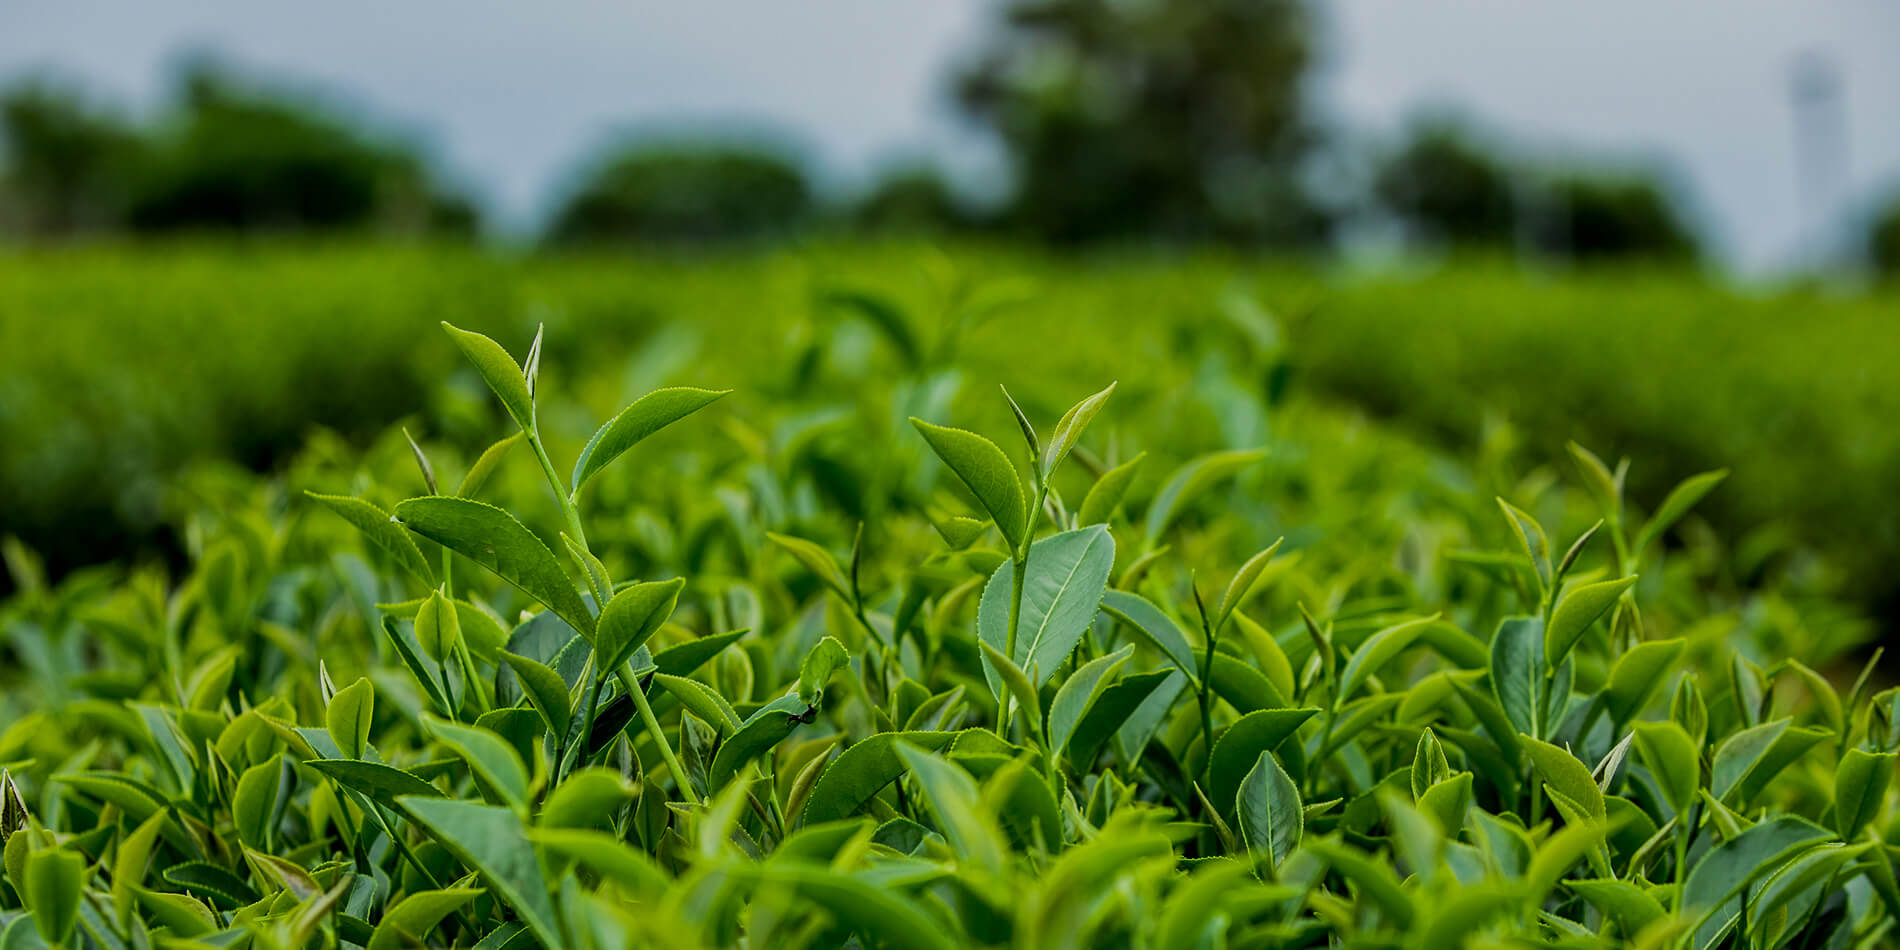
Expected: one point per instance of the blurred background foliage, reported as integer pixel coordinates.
(214, 279)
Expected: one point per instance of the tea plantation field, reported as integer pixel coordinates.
(876, 596)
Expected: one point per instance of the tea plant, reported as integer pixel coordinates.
(1050, 718)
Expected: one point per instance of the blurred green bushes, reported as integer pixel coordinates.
(120, 366)
(1795, 389)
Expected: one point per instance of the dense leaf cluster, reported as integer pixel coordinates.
(1039, 721)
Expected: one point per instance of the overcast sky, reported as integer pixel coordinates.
(511, 93)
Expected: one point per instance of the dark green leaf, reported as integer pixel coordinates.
(489, 757)
(383, 784)
(492, 841)
(1066, 578)
(757, 736)
(864, 768)
(493, 538)
(1860, 788)
(1268, 811)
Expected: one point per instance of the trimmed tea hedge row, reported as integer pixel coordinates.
(1037, 700)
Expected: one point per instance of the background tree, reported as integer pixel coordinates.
(689, 193)
(65, 161)
(1600, 216)
(1447, 189)
(1154, 118)
(237, 156)
(1883, 242)
(913, 199)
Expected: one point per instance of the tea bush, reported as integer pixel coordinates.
(120, 367)
(765, 673)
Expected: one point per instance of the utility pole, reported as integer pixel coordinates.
(1820, 130)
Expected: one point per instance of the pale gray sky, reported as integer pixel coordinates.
(512, 93)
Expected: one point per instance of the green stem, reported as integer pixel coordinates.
(652, 724)
(568, 505)
(576, 745)
(1685, 832)
(1207, 703)
(1018, 572)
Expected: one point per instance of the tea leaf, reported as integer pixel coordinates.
(382, 531)
(1710, 896)
(646, 415)
(381, 783)
(1242, 585)
(258, 805)
(818, 561)
(438, 627)
(1378, 650)
(1188, 482)
(1576, 610)
(1637, 675)
(950, 796)
(499, 371)
(1517, 672)
(1016, 684)
(1530, 538)
(1563, 773)
(1238, 749)
(1680, 499)
(491, 759)
(1104, 497)
(1154, 626)
(485, 465)
(756, 736)
(864, 768)
(1747, 760)
(872, 911)
(1066, 579)
(588, 798)
(1633, 908)
(1109, 712)
(493, 538)
(826, 658)
(409, 921)
(986, 471)
(492, 841)
(632, 617)
(1672, 759)
(545, 689)
(1268, 811)
(1373, 880)
(1069, 430)
(1078, 694)
(704, 701)
(605, 855)
(52, 887)
(1860, 788)
(349, 716)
